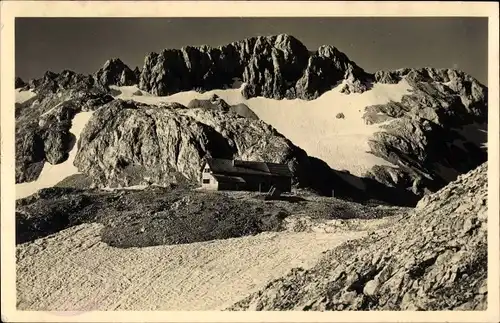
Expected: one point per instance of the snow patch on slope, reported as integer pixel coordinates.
(311, 125)
(24, 95)
(127, 92)
(53, 174)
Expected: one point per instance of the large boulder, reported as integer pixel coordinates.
(168, 143)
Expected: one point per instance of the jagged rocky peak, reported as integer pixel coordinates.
(137, 73)
(340, 60)
(52, 82)
(328, 67)
(116, 72)
(19, 83)
(425, 74)
(436, 130)
(450, 81)
(276, 66)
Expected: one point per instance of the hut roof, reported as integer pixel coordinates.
(229, 166)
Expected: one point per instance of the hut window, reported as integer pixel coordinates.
(206, 181)
(206, 170)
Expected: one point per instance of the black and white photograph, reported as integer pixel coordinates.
(250, 163)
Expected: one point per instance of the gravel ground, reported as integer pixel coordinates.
(171, 249)
(160, 216)
(75, 270)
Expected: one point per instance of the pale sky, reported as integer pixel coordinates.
(374, 43)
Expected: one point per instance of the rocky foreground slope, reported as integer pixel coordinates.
(433, 134)
(435, 258)
(170, 249)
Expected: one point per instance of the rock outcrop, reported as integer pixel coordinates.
(216, 103)
(127, 143)
(19, 83)
(135, 143)
(443, 102)
(434, 133)
(43, 122)
(276, 66)
(115, 72)
(137, 73)
(434, 258)
(328, 67)
(52, 83)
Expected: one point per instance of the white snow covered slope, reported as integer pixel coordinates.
(22, 96)
(53, 174)
(311, 125)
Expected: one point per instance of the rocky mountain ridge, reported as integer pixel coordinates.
(115, 72)
(430, 137)
(277, 66)
(272, 66)
(434, 133)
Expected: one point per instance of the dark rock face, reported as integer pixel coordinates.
(43, 122)
(137, 73)
(57, 142)
(272, 66)
(434, 258)
(30, 155)
(19, 83)
(425, 134)
(325, 69)
(115, 72)
(52, 82)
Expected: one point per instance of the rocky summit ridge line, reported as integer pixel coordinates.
(277, 66)
(430, 137)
